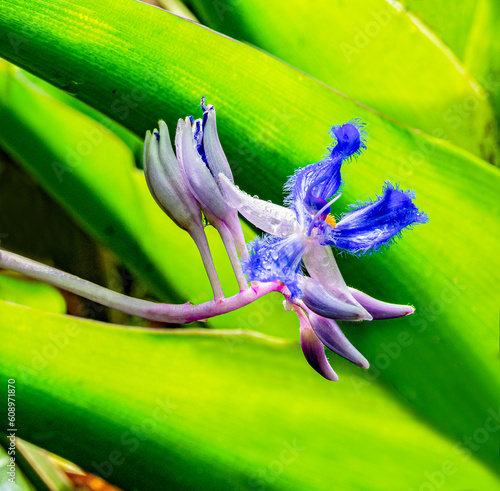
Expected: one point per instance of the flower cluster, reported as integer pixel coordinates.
(302, 233)
(195, 187)
(188, 184)
(298, 235)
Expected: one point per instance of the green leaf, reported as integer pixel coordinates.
(470, 29)
(482, 57)
(133, 405)
(34, 468)
(28, 213)
(24, 291)
(131, 140)
(51, 160)
(273, 118)
(377, 54)
(21, 483)
(450, 21)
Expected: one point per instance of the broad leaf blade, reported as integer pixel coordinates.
(137, 222)
(24, 291)
(451, 21)
(267, 134)
(202, 417)
(377, 54)
(470, 29)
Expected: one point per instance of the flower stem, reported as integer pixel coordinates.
(234, 226)
(200, 239)
(171, 313)
(229, 243)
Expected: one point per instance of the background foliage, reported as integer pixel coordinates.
(233, 405)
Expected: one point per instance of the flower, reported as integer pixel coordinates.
(166, 182)
(202, 161)
(302, 233)
(187, 184)
(198, 180)
(298, 234)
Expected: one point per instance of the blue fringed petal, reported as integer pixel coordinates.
(371, 225)
(312, 186)
(350, 139)
(272, 258)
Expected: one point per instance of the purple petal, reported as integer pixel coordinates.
(216, 158)
(322, 267)
(333, 338)
(312, 186)
(272, 258)
(166, 183)
(350, 139)
(323, 303)
(379, 309)
(313, 348)
(199, 177)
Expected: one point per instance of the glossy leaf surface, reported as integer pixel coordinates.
(86, 382)
(272, 119)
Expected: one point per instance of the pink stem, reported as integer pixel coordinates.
(171, 313)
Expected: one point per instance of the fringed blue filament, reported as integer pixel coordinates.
(371, 225)
(349, 139)
(312, 186)
(272, 258)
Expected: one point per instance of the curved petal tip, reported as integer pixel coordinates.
(379, 309)
(322, 302)
(313, 348)
(333, 338)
